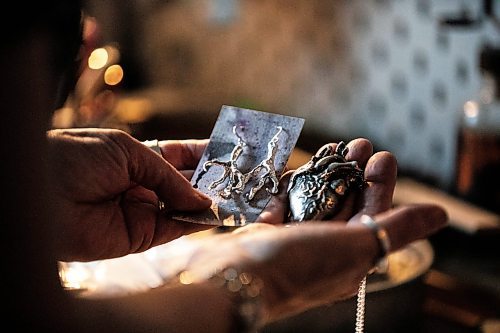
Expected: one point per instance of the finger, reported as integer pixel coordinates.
(348, 207)
(150, 170)
(140, 211)
(252, 228)
(183, 154)
(275, 211)
(406, 224)
(360, 150)
(167, 229)
(380, 173)
(188, 174)
(147, 226)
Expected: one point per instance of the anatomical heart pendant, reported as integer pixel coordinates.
(242, 164)
(317, 189)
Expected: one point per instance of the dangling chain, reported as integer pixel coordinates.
(360, 307)
(381, 266)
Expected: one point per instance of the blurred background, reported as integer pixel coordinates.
(416, 77)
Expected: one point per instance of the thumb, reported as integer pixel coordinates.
(150, 170)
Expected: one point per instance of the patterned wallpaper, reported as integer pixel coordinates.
(381, 69)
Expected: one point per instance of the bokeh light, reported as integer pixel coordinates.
(98, 58)
(113, 75)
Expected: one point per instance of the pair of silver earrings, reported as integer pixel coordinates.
(237, 180)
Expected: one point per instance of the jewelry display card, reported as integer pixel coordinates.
(242, 163)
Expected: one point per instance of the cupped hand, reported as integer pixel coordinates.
(107, 185)
(380, 171)
(308, 264)
(311, 264)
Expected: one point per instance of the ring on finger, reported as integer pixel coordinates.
(382, 236)
(153, 144)
(161, 206)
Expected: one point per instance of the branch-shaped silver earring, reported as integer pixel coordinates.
(236, 179)
(268, 165)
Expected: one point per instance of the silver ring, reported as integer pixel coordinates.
(161, 206)
(154, 145)
(383, 239)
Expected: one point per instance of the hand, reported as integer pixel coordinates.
(380, 174)
(314, 263)
(107, 186)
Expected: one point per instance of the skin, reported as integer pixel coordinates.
(107, 185)
(116, 216)
(89, 194)
(112, 210)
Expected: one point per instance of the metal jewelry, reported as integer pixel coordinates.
(381, 267)
(268, 165)
(385, 244)
(317, 189)
(236, 179)
(154, 145)
(161, 206)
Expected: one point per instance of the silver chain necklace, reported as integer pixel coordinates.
(360, 307)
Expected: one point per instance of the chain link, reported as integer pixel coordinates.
(360, 307)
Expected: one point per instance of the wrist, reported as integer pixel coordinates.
(244, 290)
